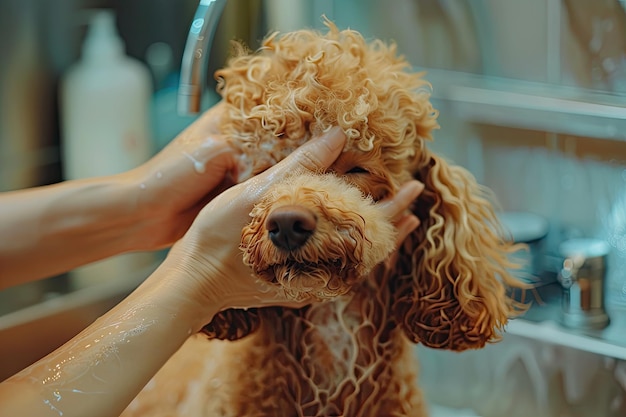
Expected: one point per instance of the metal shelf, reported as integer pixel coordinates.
(551, 332)
(541, 323)
(528, 105)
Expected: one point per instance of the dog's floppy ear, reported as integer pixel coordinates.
(233, 324)
(452, 276)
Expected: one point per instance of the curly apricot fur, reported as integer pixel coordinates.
(351, 355)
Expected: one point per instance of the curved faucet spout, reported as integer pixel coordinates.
(196, 55)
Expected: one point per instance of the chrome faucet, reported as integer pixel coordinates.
(196, 55)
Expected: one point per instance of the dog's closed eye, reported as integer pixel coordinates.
(357, 170)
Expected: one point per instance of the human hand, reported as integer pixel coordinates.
(173, 186)
(209, 255)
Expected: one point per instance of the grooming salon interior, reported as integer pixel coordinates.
(531, 98)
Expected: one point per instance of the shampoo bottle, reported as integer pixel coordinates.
(105, 107)
(105, 101)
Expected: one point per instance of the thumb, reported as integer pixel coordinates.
(315, 155)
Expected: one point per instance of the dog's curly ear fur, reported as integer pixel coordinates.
(233, 324)
(453, 271)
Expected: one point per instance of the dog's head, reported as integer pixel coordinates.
(318, 235)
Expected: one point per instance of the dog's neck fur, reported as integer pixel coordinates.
(347, 357)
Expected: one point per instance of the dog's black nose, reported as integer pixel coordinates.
(289, 227)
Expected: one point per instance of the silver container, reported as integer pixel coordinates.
(582, 277)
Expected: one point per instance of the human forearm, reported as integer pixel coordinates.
(48, 230)
(101, 370)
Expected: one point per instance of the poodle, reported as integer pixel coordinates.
(349, 353)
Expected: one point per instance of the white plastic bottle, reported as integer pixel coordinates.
(105, 103)
(105, 126)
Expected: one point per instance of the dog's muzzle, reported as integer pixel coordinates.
(316, 236)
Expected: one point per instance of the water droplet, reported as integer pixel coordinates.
(142, 186)
(159, 175)
(199, 167)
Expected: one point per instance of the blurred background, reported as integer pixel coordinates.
(532, 100)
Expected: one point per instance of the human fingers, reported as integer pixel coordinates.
(316, 155)
(405, 226)
(396, 208)
(398, 204)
